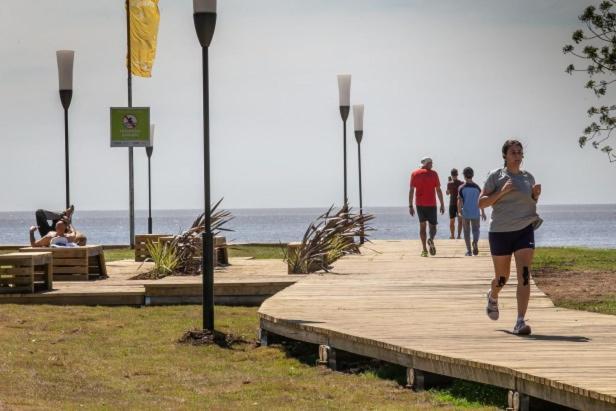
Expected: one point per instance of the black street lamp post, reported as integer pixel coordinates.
(65, 60)
(149, 149)
(205, 22)
(358, 120)
(344, 90)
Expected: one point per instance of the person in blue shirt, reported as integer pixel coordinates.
(469, 211)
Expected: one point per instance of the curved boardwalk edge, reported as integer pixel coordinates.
(320, 310)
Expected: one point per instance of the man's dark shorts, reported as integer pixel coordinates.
(453, 210)
(507, 243)
(427, 214)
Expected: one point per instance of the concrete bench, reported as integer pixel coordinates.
(75, 263)
(25, 272)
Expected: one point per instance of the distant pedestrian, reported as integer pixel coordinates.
(469, 211)
(425, 185)
(513, 194)
(452, 191)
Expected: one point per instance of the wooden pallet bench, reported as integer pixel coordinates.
(75, 263)
(141, 240)
(221, 253)
(25, 272)
(292, 250)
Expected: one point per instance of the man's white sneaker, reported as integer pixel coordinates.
(492, 307)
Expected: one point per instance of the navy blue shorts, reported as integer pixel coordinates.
(453, 210)
(507, 243)
(427, 214)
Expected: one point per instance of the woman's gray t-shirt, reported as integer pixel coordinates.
(515, 210)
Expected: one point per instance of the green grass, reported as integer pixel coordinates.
(467, 394)
(119, 254)
(258, 251)
(120, 357)
(570, 258)
(606, 305)
(255, 251)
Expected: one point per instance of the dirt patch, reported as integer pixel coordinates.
(576, 286)
(152, 275)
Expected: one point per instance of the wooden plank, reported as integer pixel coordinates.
(19, 280)
(70, 261)
(68, 252)
(15, 271)
(70, 270)
(70, 277)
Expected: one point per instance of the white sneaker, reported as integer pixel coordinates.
(492, 307)
(521, 328)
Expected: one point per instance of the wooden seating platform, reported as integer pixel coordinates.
(428, 315)
(244, 282)
(75, 263)
(25, 272)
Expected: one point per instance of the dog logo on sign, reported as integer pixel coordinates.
(129, 121)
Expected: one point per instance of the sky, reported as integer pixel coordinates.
(450, 79)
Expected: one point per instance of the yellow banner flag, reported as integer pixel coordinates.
(144, 18)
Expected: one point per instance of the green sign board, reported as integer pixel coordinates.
(130, 126)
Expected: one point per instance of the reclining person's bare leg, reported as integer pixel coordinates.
(42, 221)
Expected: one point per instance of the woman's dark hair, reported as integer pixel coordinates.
(508, 144)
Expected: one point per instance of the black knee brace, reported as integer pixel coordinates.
(526, 276)
(502, 280)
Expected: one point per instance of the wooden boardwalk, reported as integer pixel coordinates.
(245, 282)
(428, 314)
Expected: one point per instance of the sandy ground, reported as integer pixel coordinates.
(578, 286)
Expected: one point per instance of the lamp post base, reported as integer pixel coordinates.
(207, 268)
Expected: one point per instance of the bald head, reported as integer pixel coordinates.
(60, 227)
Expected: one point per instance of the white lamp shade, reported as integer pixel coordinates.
(344, 89)
(204, 6)
(151, 140)
(65, 68)
(358, 117)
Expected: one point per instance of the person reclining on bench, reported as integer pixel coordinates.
(42, 221)
(58, 238)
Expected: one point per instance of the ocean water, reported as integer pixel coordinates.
(564, 225)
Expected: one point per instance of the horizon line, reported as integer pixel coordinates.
(297, 208)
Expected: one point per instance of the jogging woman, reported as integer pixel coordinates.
(513, 194)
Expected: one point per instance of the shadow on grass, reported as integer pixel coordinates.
(206, 337)
(305, 353)
(459, 392)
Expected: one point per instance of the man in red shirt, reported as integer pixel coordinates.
(424, 185)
